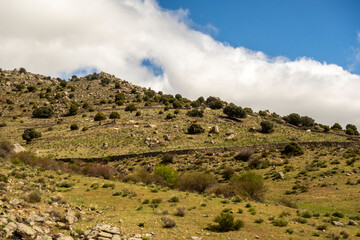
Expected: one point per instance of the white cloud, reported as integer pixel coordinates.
(53, 37)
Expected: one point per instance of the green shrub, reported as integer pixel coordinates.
(249, 185)
(280, 222)
(293, 119)
(336, 127)
(114, 116)
(196, 181)
(180, 211)
(233, 111)
(65, 184)
(225, 223)
(43, 112)
(244, 155)
(338, 214)
(74, 126)
(195, 129)
(168, 173)
(267, 127)
(351, 129)
(167, 158)
(195, 113)
(73, 110)
(99, 117)
(168, 222)
(33, 197)
(170, 116)
(292, 149)
(29, 134)
(174, 199)
(177, 104)
(131, 108)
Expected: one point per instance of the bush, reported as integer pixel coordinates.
(227, 173)
(336, 127)
(73, 110)
(249, 185)
(43, 112)
(22, 70)
(168, 173)
(226, 223)
(177, 104)
(195, 113)
(170, 116)
(351, 129)
(29, 134)
(214, 103)
(180, 211)
(307, 121)
(33, 197)
(244, 155)
(195, 129)
(131, 107)
(233, 111)
(114, 116)
(98, 170)
(280, 222)
(74, 126)
(6, 149)
(168, 222)
(65, 184)
(196, 181)
(293, 149)
(167, 158)
(99, 117)
(267, 127)
(293, 119)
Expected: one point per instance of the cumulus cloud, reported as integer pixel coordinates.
(63, 36)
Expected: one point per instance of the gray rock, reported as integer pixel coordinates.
(105, 145)
(43, 237)
(9, 229)
(167, 137)
(214, 129)
(16, 202)
(25, 231)
(352, 223)
(337, 223)
(280, 175)
(17, 148)
(229, 132)
(70, 217)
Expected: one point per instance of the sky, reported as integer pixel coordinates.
(285, 56)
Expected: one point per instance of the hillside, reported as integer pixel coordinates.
(143, 171)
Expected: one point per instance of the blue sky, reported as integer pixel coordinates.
(322, 30)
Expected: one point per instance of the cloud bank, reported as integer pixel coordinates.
(63, 36)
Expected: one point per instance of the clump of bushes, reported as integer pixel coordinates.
(196, 181)
(33, 197)
(74, 126)
(131, 108)
(180, 211)
(43, 112)
(233, 111)
(195, 129)
(167, 158)
(225, 223)
(267, 127)
(244, 155)
(195, 113)
(168, 174)
(293, 149)
(249, 185)
(29, 134)
(297, 120)
(6, 149)
(168, 222)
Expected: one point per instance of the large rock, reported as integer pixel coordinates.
(16, 202)
(337, 223)
(70, 217)
(103, 231)
(280, 175)
(214, 129)
(9, 229)
(25, 231)
(17, 148)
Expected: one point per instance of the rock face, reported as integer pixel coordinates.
(18, 148)
(214, 129)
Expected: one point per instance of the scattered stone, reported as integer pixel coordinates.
(280, 175)
(231, 137)
(352, 223)
(18, 148)
(214, 129)
(229, 132)
(167, 137)
(25, 231)
(105, 145)
(70, 217)
(195, 238)
(16, 202)
(337, 223)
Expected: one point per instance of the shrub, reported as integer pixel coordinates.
(195, 129)
(177, 104)
(43, 112)
(227, 173)
(292, 149)
(244, 155)
(167, 158)
(131, 107)
(138, 113)
(114, 116)
(225, 223)
(351, 129)
(336, 127)
(293, 119)
(22, 70)
(33, 197)
(196, 181)
(214, 103)
(195, 113)
(99, 117)
(73, 110)
(233, 111)
(267, 127)
(307, 121)
(249, 185)
(170, 116)
(29, 134)
(180, 211)
(74, 126)
(168, 173)
(98, 170)
(280, 222)
(174, 199)
(338, 214)
(168, 222)
(6, 149)
(65, 184)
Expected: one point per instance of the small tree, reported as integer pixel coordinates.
(233, 111)
(293, 119)
(99, 117)
(42, 112)
(114, 116)
(336, 127)
(226, 223)
(29, 134)
(351, 129)
(177, 104)
(131, 107)
(22, 70)
(293, 149)
(249, 185)
(74, 126)
(307, 121)
(195, 129)
(267, 127)
(73, 110)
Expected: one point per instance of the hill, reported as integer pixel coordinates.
(145, 169)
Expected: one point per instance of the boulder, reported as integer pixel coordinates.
(16, 202)
(17, 148)
(214, 129)
(337, 223)
(25, 231)
(280, 175)
(167, 137)
(9, 229)
(229, 132)
(352, 223)
(70, 217)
